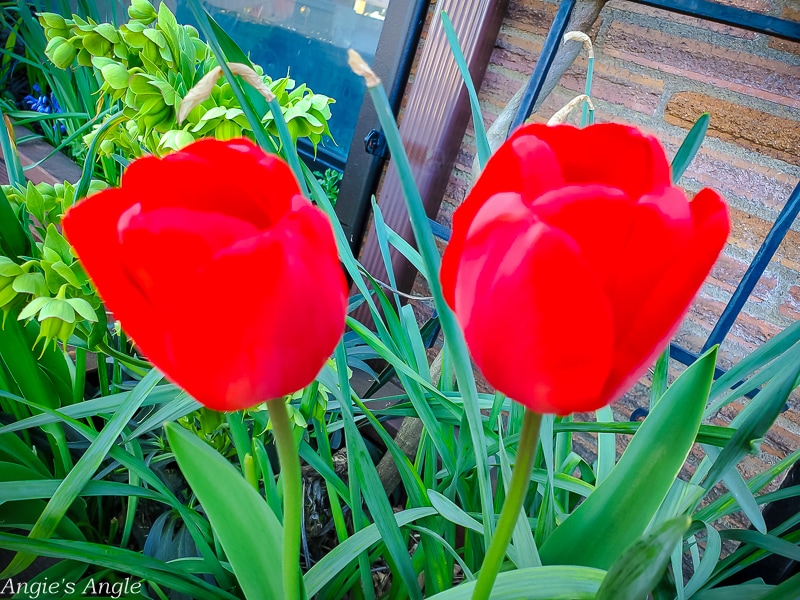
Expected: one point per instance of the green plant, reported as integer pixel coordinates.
(439, 529)
(330, 181)
(148, 64)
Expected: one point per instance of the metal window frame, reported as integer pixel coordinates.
(396, 49)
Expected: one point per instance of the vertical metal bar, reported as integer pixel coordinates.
(551, 42)
(756, 269)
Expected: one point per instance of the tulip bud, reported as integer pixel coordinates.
(60, 52)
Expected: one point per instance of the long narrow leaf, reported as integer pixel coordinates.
(537, 583)
(618, 511)
(689, 147)
(83, 471)
(481, 140)
(118, 559)
(337, 559)
(374, 495)
(454, 337)
(251, 533)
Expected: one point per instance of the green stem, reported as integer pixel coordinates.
(517, 488)
(80, 375)
(292, 496)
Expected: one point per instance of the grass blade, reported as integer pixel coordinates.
(481, 140)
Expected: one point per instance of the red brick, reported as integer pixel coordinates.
(728, 272)
(617, 85)
(790, 14)
(791, 306)
(700, 61)
(750, 128)
(736, 177)
(532, 16)
(747, 331)
(748, 232)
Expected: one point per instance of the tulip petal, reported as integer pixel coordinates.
(259, 361)
(661, 229)
(527, 166)
(91, 227)
(597, 217)
(525, 298)
(652, 324)
(608, 153)
(163, 250)
(235, 178)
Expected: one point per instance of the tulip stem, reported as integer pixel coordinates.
(517, 488)
(292, 496)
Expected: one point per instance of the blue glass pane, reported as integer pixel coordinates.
(307, 39)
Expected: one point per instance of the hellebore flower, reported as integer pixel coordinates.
(222, 273)
(572, 261)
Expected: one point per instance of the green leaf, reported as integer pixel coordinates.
(83, 308)
(16, 176)
(454, 337)
(83, 471)
(374, 495)
(637, 571)
(337, 560)
(31, 283)
(54, 240)
(522, 551)
(248, 530)
(537, 583)
(755, 360)
(785, 591)
(13, 239)
(689, 147)
(709, 561)
(770, 543)
(756, 418)
(126, 561)
(481, 140)
(618, 511)
(448, 509)
(13, 449)
(744, 591)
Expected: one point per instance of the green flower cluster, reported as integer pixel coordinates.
(50, 285)
(149, 64)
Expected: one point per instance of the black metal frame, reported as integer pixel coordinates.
(396, 49)
(718, 13)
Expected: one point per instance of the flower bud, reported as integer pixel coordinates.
(143, 11)
(54, 25)
(60, 52)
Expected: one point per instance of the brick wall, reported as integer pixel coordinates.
(660, 71)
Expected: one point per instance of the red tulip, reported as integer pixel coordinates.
(573, 260)
(221, 272)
